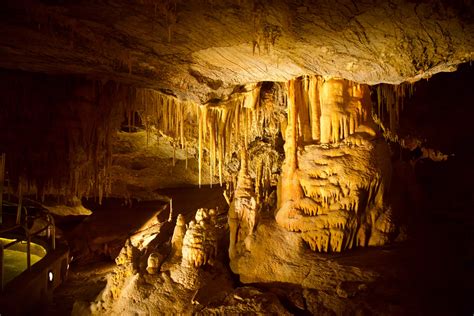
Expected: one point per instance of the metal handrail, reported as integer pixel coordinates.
(50, 226)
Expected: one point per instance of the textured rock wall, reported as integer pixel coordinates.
(202, 49)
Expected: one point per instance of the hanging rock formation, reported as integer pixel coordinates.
(332, 191)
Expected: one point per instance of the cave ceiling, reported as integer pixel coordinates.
(201, 50)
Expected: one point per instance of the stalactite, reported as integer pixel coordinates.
(328, 110)
(312, 90)
(302, 100)
(220, 126)
(390, 101)
(291, 131)
(78, 163)
(200, 144)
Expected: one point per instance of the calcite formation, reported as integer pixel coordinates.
(200, 241)
(177, 238)
(153, 263)
(126, 255)
(332, 188)
(243, 212)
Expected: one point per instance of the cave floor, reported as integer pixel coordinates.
(426, 273)
(87, 275)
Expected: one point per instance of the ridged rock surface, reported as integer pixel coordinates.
(201, 49)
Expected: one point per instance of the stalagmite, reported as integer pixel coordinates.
(199, 241)
(177, 238)
(170, 218)
(153, 263)
(200, 127)
(244, 210)
(290, 187)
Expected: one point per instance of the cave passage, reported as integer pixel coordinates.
(236, 157)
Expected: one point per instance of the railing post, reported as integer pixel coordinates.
(2, 182)
(53, 232)
(20, 200)
(1, 267)
(28, 252)
(25, 210)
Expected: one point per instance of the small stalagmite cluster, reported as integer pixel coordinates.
(193, 246)
(200, 240)
(335, 172)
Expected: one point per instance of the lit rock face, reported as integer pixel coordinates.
(332, 192)
(202, 49)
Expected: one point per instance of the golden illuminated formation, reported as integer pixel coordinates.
(332, 190)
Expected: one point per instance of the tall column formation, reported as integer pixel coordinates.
(243, 212)
(331, 191)
(312, 87)
(289, 187)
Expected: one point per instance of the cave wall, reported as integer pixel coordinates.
(55, 131)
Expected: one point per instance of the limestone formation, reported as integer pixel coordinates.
(271, 100)
(126, 255)
(153, 263)
(200, 242)
(243, 212)
(177, 238)
(332, 191)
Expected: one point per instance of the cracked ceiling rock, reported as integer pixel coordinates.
(236, 42)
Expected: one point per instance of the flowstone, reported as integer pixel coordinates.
(332, 187)
(342, 206)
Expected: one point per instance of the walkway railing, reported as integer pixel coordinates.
(51, 233)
